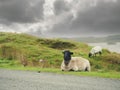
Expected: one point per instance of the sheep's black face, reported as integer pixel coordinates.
(67, 56)
(90, 54)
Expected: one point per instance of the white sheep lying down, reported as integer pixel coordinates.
(76, 64)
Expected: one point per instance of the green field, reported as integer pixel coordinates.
(24, 52)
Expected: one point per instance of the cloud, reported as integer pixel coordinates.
(60, 17)
(99, 17)
(21, 15)
(60, 6)
(21, 11)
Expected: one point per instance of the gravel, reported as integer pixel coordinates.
(31, 80)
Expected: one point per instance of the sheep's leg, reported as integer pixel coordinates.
(71, 70)
(100, 53)
(87, 69)
(75, 68)
(95, 54)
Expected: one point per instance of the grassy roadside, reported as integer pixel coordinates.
(101, 74)
(19, 50)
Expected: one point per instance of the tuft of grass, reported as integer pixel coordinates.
(112, 58)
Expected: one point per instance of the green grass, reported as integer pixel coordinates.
(19, 50)
(102, 74)
(13, 65)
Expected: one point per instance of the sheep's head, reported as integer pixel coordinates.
(90, 54)
(67, 56)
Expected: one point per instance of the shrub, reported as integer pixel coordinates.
(56, 44)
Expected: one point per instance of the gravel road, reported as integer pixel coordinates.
(27, 80)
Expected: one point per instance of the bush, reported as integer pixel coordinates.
(56, 44)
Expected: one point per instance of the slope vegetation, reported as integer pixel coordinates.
(27, 50)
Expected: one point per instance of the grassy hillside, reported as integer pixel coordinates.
(27, 50)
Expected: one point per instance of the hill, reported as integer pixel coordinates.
(27, 50)
(108, 39)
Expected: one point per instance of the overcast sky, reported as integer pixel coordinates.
(60, 18)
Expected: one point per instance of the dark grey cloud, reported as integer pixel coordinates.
(60, 17)
(60, 6)
(20, 11)
(104, 18)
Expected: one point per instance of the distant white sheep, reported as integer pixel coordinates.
(95, 50)
(74, 63)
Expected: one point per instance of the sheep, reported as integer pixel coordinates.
(95, 50)
(74, 63)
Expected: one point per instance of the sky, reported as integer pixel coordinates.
(60, 18)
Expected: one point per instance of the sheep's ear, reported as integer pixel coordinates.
(71, 53)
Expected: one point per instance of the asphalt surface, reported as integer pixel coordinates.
(27, 80)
